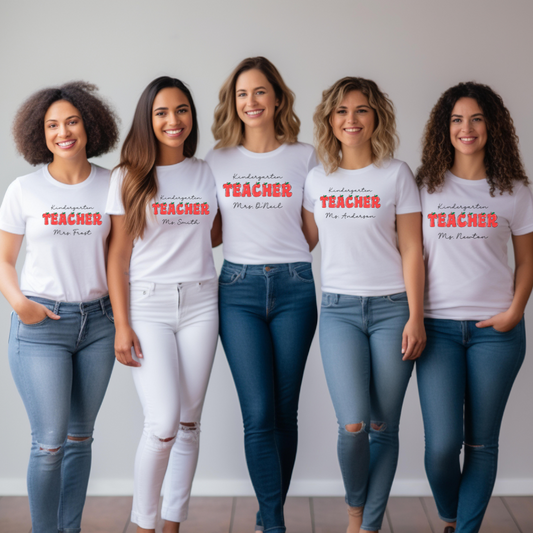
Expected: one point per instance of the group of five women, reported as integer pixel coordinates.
(147, 235)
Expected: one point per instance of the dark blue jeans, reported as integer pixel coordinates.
(465, 377)
(268, 318)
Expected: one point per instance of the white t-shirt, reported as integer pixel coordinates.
(260, 198)
(66, 230)
(466, 231)
(176, 245)
(355, 212)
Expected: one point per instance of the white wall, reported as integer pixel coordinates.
(414, 49)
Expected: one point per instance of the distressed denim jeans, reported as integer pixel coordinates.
(61, 369)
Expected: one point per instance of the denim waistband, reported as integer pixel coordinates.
(73, 307)
(268, 269)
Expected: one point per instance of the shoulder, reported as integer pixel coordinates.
(101, 173)
(28, 180)
(216, 155)
(317, 173)
(304, 150)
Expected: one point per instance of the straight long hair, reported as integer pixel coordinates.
(139, 153)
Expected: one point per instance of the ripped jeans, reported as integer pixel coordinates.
(361, 342)
(61, 369)
(177, 327)
(465, 377)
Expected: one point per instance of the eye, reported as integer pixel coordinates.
(260, 93)
(73, 122)
(456, 120)
(51, 126)
(182, 111)
(362, 111)
(341, 111)
(240, 95)
(159, 113)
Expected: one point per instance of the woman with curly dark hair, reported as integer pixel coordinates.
(474, 197)
(61, 339)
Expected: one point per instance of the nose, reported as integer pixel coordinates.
(251, 100)
(353, 118)
(64, 130)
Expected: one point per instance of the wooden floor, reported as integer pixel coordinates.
(302, 515)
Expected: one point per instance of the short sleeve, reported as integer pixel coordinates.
(12, 217)
(309, 202)
(407, 195)
(312, 162)
(114, 197)
(522, 221)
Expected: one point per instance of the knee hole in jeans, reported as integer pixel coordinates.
(378, 426)
(50, 450)
(78, 439)
(355, 428)
(189, 431)
(474, 445)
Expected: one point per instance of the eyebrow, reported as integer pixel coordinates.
(166, 108)
(68, 118)
(244, 90)
(362, 105)
(474, 115)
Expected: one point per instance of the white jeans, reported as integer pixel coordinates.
(177, 326)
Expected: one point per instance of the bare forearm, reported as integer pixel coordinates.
(523, 287)
(9, 286)
(413, 275)
(118, 282)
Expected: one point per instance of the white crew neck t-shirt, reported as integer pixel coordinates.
(466, 232)
(176, 245)
(355, 212)
(260, 197)
(66, 231)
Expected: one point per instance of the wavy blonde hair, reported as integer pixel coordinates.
(228, 128)
(384, 139)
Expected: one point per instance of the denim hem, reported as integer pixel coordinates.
(449, 520)
(275, 530)
(362, 504)
(146, 522)
(70, 530)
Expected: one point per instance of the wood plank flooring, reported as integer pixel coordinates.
(302, 515)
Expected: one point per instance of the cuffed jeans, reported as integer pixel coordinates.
(361, 343)
(61, 369)
(267, 321)
(465, 377)
(177, 327)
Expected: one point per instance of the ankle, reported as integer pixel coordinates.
(355, 519)
(171, 527)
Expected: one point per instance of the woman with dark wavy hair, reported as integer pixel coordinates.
(475, 197)
(62, 333)
(164, 291)
(267, 293)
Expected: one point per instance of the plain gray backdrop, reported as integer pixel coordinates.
(414, 50)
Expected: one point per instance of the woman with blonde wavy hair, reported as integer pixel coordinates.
(266, 290)
(366, 206)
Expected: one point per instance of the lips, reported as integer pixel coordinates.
(352, 131)
(174, 133)
(66, 145)
(468, 140)
(254, 113)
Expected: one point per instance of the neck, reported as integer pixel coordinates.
(70, 171)
(356, 157)
(469, 167)
(260, 140)
(169, 156)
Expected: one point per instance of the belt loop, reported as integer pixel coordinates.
(337, 296)
(82, 311)
(291, 272)
(56, 307)
(243, 271)
(102, 305)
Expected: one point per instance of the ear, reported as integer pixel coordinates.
(277, 102)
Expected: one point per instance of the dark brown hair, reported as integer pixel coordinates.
(228, 128)
(139, 153)
(502, 155)
(99, 121)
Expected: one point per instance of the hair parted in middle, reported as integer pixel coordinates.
(139, 153)
(228, 129)
(384, 139)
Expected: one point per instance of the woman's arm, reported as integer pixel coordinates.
(216, 231)
(118, 275)
(29, 312)
(523, 283)
(409, 227)
(309, 228)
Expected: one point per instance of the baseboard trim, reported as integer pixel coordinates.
(243, 487)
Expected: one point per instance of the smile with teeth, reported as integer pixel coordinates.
(173, 132)
(254, 113)
(66, 144)
(467, 139)
(352, 130)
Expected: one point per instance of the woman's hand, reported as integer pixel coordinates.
(502, 322)
(413, 339)
(125, 338)
(31, 312)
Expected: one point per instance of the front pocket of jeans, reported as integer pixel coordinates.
(305, 275)
(228, 277)
(399, 298)
(35, 324)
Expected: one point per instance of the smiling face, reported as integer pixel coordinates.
(255, 99)
(354, 121)
(468, 128)
(172, 119)
(64, 131)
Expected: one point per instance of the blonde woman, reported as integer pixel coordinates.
(164, 292)
(266, 289)
(366, 206)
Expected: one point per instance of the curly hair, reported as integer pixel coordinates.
(99, 121)
(503, 163)
(384, 139)
(228, 129)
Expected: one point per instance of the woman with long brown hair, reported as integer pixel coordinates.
(164, 292)
(475, 197)
(267, 293)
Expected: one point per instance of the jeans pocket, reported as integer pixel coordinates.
(400, 297)
(328, 299)
(228, 276)
(109, 314)
(304, 274)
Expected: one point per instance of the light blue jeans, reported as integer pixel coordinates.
(61, 369)
(361, 343)
(465, 377)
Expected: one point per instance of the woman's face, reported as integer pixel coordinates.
(354, 121)
(468, 129)
(64, 131)
(255, 99)
(171, 117)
